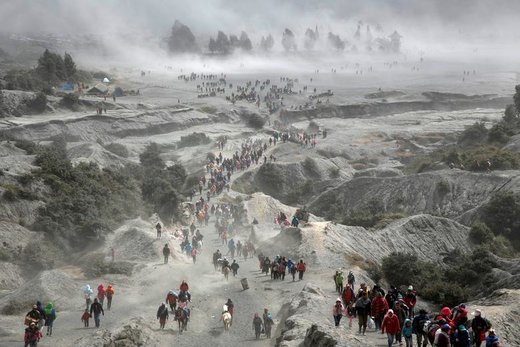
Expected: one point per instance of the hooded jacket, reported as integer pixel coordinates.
(407, 330)
(391, 323)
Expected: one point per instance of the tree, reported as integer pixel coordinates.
(267, 43)
(502, 215)
(212, 45)
(245, 42)
(288, 40)
(234, 41)
(336, 42)
(222, 43)
(150, 158)
(70, 66)
(516, 98)
(182, 39)
(310, 38)
(47, 66)
(510, 114)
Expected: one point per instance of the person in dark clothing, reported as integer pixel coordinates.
(162, 315)
(479, 326)
(234, 267)
(96, 310)
(166, 253)
(257, 325)
(158, 227)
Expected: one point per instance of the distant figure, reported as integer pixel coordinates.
(166, 253)
(110, 293)
(158, 227)
(113, 253)
(257, 325)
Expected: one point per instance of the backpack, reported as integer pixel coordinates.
(422, 326)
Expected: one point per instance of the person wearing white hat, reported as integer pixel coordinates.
(410, 299)
(337, 311)
(479, 325)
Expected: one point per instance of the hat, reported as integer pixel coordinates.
(477, 312)
(445, 311)
(491, 331)
(423, 311)
(462, 327)
(462, 306)
(410, 288)
(445, 327)
(338, 299)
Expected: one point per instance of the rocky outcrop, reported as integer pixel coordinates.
(109, 127)
(435, 101)
(135, 333)
(291, 182)
(449, 193)
(49, 286)
(430, 238)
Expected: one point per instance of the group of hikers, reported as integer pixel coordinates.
(94, 309)
(279, 266)
(178, 304)
(44, 316)
(37, 318)
(394, 313)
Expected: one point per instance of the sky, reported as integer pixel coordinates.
(440, 26)
(434, 18)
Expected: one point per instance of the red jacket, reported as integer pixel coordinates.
(410, 299)
(391, 324)
(379, 306)
(171, 299)
(301, 267)
(348, 295)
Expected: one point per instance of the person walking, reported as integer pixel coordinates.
(50, 317)
(268, 323)
(85, 318)
(257, 325)
(96, 310)
(337, 311)
(166, 253)
(301, 269)
(391, 325)
(110, 293)
(162, 315)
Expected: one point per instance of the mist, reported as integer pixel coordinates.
(445, 31)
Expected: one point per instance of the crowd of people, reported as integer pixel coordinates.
(394, 313)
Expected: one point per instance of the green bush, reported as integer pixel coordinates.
(444, 294)
(474, 134)
(117, 149)
(499, 133)
(480, 233)
(502, 215)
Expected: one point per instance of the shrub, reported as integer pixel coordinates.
(334, 172)
(375, 272)
(10, 194)
(443, 187)
(310, 166)
(39, 103)
(254, 120)
(401, 269)
(209, 109)
(193, 139)
(117, 149)
(70, 101)
(480, 233)
(444, 294)
(28, 146)
(499, 133)
(502, 215)
(473, 134)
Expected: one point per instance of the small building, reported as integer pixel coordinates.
(395, 41)
(98, 89)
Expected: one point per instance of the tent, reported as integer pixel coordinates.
(106, 80)
(68, 86)
(98, 89)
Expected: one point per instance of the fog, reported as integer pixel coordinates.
(482, 31)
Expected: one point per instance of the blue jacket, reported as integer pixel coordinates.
(407, 331)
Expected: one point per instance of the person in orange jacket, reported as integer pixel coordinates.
(109, 293)
(391, 325)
